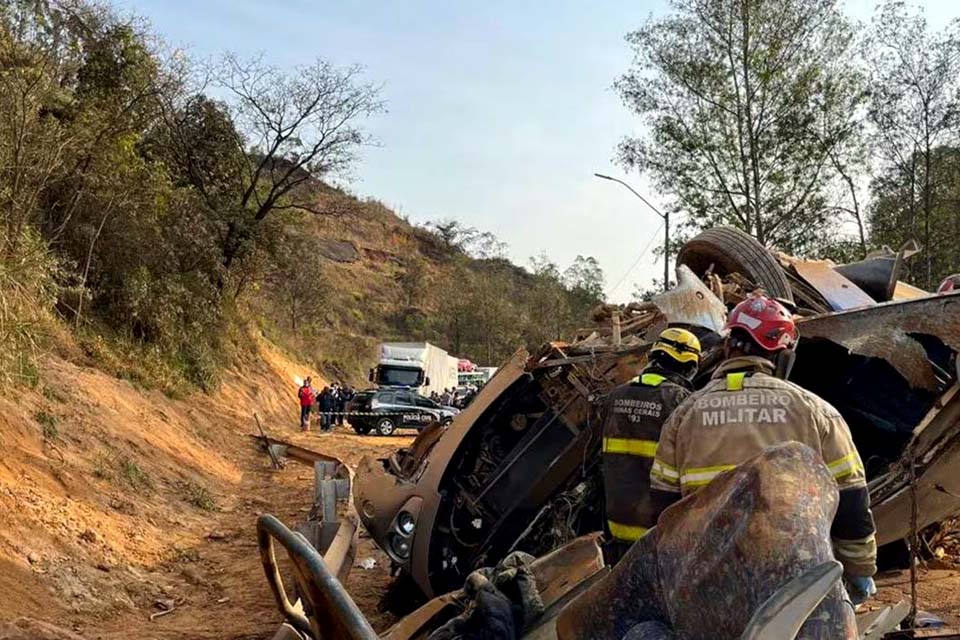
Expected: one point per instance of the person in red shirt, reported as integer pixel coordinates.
(307, 399)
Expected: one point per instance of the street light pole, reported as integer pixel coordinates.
(666, 227)
(666, 250)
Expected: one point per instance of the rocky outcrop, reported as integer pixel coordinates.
(338, 250)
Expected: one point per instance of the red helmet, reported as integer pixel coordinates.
(767, 322)
(950, 283)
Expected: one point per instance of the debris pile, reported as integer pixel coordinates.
(942, 541)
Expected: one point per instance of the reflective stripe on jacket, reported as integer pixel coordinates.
(744, 410)
(633, 416)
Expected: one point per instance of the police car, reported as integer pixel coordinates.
(386, 410)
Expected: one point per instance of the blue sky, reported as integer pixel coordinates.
(498, 112)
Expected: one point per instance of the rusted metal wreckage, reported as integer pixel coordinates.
(518, 469)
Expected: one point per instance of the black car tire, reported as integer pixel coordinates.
(361, 430)
(386, 426)
(731, 250)
(446, 421)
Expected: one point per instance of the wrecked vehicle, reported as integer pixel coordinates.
(519, 468)
(688, 579)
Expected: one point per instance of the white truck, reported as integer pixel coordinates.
(419, 366)
(477, 378)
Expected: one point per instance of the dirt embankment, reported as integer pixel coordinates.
(115, 499)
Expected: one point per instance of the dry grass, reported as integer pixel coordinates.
(26, 296)
(135, 476)
(199, 496)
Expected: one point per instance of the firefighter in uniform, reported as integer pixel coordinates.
(743, 410)
(634, 414)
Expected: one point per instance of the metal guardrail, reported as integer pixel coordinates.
(328, 610)
(321, 549)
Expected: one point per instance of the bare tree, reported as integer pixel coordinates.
(482, 245)
(548, 301)
(845, 163)
(269, 140)
(298, 126)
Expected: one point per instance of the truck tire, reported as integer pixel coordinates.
(386, 426)
(730, 250)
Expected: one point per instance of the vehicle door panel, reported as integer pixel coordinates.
(410, 413)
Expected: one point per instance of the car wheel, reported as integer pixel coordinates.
(386, 427)
(361, 430)
(446, 421)
(730, 250)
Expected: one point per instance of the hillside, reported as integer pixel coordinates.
(116, 497)
(156, 217)
(381, 278)
(170, 262)
(365, 253)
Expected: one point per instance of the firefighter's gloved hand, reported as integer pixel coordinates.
(860, 588)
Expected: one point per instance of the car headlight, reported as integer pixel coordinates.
(406, 524)
(400, 546)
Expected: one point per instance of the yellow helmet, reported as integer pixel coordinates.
(679, 344)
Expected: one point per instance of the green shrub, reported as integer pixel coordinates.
(48, 422)
(135, 476)
(199, 496)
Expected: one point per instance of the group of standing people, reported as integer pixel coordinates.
(451, 397)
(444, 398)
(331, 404)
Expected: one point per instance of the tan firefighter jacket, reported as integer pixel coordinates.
(742, 411)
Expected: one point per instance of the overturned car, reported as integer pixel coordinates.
(519, 468)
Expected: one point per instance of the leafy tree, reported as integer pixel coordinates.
(493, 325)
(297, 281)
(34, 36)
(451, 232)
(584, 280)
(486, 307)
(746, 101)
(915, 111)
(548, 301)
(484, 245)
(894, 209)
